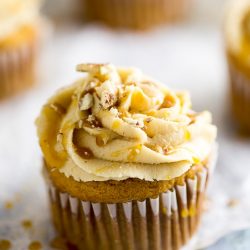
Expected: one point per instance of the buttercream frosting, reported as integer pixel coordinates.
(17, 13)
(117, 123)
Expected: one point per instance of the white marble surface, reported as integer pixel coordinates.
(187, 56)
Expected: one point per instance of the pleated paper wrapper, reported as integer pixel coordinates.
(17, 68)
(164, 223)
(137, 14)
(240, 94)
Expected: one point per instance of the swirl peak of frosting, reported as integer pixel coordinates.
(119, 124)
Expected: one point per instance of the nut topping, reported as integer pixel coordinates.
(86, 102)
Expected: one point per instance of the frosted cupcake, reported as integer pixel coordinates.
(237, 38)
(136, 14)
(126, 161)
(19, 24)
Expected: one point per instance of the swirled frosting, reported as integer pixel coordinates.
(116, 124)
(17, 13)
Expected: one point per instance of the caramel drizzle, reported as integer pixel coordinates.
(85, 153)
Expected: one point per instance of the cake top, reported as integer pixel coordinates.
(237, 29)
(117, 123)
(17, 13)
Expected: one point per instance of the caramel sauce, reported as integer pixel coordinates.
(58, 108)
(48, 140)
(84, 152)
(5, 245)
(168, 102)
(99, 141)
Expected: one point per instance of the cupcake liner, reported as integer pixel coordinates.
(165, 222)
(138, 14)
(17, 68)
(240, 94)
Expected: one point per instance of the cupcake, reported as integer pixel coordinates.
(136, 14)
(126, 161)
(237, 38)
(18, 41)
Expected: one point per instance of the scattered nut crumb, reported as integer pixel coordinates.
(114, 111)
(165, 150)
(206, 204)
(26, 224)
(107, 99)
(61, 244)
(35, 245)
(233, 203)
(89, 67)
(86, 102)
(8, 205)
(5, 244)
(91, 118)
(93, 122)
(148, 120)
(136, 123)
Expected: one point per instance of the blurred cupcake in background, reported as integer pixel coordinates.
(19, 28)
(126, 160)
(136, 14)
(237, 38)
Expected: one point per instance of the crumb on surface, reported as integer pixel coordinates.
(61, 244)
(26, 224)
(35, 245)
(233, 203)
(8, 205)
(5, 244)
(206, 204)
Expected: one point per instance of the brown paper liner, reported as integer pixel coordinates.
(17, 68)
(240, 95)
(164, 223)
(136, 14)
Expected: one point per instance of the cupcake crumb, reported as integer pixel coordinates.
(8, 205)
(61, 244)
(206, 204)
(233, 203)
(35, 245)
(26, 224)
(5, 244)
